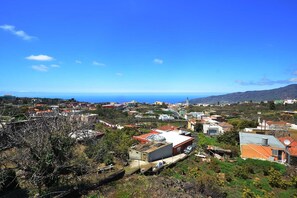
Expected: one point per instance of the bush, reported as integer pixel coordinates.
(229, 138)
(257, 183)
(247, 193)
(8, 180)
(203, 141)
(261, 166)
(108, 159)
(229, 177)
(275, 179)
(294, 181)
(214, 165)
(208, 185)
(242, 172)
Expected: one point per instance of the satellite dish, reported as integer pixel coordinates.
(287, 142)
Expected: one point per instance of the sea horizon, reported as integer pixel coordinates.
(142, 97)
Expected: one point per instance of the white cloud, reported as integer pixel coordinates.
(19, 33)
(295, 73)
(265, 81)
(78, 62)
(40, 57)
(158, 61)
(293, 80)
(55, 65)
(119, 74)
(41, 68)
(98, 64)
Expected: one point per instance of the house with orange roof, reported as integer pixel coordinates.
(144, 137)
(263, 147)
(291, 147)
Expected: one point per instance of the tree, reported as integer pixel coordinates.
(117, 142)
(198, 127)
(241, 123)
(271, 105)
(43, 149)
(98, 151)
(231, 137)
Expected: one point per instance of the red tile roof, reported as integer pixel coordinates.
(143, 138)
(167, 128)
(256, 151)
(292, 147)
(276, 123)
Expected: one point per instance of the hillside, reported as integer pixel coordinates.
(287, 92)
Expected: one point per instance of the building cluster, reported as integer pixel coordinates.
(269, 141)
(212, 125)
(160, 143)
(268, 147)
(69, 108)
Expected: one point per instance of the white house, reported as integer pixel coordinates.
(164, 117)
(216, 129)
(196, 115)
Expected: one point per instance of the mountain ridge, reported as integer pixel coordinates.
(287, 92)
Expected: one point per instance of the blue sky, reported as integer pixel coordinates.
(88, 46)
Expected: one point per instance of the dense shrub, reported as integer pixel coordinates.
(208, 185)
(275, 179)
(242, 172)
(247, 193)
(229, 138)
(8, 180)
(241, 124)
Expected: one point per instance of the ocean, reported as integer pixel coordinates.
(142, 98)
(118, 97)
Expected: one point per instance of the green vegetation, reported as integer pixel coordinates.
(228, 140)
(45, 159)
(115, 143)
(204, 140)
(241, 123)
(249, 112)
(240, 178)
(114, 116)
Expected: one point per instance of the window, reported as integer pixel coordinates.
(274, 152)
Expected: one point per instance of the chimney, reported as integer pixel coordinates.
(264, 141)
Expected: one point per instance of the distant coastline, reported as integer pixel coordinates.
(115, 97)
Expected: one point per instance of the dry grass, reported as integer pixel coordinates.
(4, 155)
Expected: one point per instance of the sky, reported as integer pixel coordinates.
(102, 46)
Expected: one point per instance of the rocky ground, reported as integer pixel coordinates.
(152, 186)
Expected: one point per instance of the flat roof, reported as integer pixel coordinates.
(251, 138)
(170, 136)
(175, 138)
(149, 147)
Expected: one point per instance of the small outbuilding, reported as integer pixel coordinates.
(151, 151)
